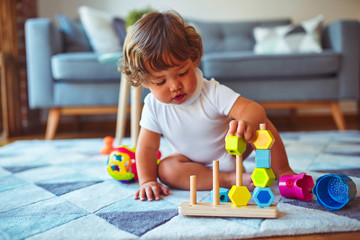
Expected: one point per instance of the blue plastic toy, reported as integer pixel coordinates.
(263, 196)
(334, 191)
(223, 195)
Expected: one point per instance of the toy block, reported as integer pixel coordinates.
(235, 145)
(264, 138)
(239, 195)
(263, 177)
(263, 196)
(223, 195)
(263, 158)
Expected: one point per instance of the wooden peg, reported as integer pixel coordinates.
(216, 200)
(238, 170)
(193, 190)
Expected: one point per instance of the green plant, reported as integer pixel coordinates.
(134, 15)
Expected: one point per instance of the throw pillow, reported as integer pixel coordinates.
(74, 34)
(119, 26)
(99, 29)
(303, 38)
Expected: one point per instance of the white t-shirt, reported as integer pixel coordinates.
(196, 128)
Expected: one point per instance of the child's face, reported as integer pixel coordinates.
(174, 85)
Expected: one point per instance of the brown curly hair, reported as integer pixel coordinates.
(154, 42)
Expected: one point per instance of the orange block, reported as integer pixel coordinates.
(264, 139)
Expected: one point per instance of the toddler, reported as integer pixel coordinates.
(193, 114)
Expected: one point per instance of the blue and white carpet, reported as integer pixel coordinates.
(61, 190)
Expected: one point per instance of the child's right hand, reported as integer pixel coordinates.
(149, 190)
(242, 129)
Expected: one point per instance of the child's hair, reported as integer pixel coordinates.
(155, 43)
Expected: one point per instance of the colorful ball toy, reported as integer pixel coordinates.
(121, 164)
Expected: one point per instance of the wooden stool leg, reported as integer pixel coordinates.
(122, 109)
(338, 115)
(135, 113)
(52, 123)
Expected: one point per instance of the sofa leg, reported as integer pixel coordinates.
(52, 123)
(338, 115)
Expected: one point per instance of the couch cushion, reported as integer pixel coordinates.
(99, 29)
(83, 67)
(246, 64)
(289, 39)
(230, 36)
(74, 34)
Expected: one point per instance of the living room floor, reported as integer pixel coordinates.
(86, 129)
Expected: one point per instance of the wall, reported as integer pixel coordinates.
(223, 10)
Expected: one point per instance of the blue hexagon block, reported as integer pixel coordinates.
(223, 195)
(263, 158)
(263, 196)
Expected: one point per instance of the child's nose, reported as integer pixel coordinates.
(175, 85)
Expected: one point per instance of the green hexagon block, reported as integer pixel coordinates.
(239, 195)
(235, 145)
(263, 177)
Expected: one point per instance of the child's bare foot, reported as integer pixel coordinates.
(247, 181)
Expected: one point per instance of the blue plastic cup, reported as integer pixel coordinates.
(334, 191)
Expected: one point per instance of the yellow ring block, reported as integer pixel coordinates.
(239, 195)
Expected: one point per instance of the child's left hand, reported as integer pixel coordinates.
(242, 129)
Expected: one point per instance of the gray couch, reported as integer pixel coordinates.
(285, 80)
(59, 80)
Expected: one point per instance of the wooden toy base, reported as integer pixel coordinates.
(227, 209)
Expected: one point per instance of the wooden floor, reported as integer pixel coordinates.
(98, 129)
(303, 123)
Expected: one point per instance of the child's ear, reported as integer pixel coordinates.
(195, 62)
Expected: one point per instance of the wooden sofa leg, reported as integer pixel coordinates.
(52, 123)
(338, 115)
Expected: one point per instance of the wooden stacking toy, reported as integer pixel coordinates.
(238, 194)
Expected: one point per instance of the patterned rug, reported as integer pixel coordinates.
(61, 190)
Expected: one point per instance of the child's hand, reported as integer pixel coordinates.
(149, 190)
(242, 128)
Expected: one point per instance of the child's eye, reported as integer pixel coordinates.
(183, 73)
(160, 83)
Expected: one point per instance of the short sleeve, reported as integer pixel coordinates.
(148, 119)
(224, 97)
